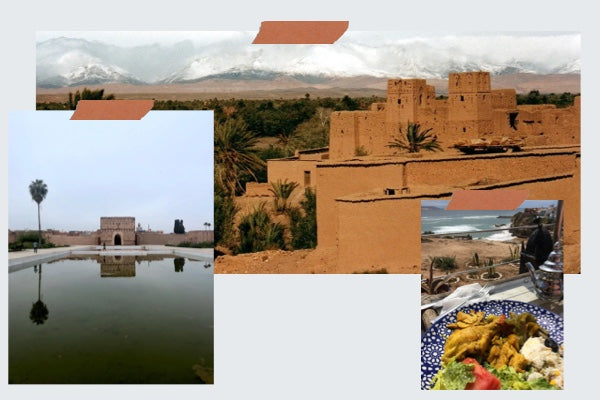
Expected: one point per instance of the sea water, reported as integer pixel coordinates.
(439, 220)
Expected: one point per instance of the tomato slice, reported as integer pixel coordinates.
(484, 379)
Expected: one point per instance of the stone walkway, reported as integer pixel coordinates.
(20, 259)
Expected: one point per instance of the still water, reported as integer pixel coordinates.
(112, 319)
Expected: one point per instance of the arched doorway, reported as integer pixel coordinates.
(117, 240)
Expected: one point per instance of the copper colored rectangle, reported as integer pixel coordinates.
(300, 32)
(487, 199)
(112, 109)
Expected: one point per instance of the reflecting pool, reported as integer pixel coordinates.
(112, 319)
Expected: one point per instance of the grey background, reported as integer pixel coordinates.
(313, 337)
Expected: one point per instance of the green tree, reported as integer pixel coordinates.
(416, 140)
(39, 311)
(87, 94)
(282, 191)
(258, 232)
(178, 228)
(235, 155)
(303, 222)
(38, 190)
(313, 133)
(225, 211)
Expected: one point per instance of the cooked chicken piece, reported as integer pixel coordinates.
(472, 341)
(505, 352)
(464, 320)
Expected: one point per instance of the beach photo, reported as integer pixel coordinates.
(492, 297)
(110, 262)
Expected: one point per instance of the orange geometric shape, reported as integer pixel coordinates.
(112, 109)
(499, 199)
(300, 32)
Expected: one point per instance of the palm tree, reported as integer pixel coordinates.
(416, 140)
(38, 190)
(235, 155)
(282, 190)
(39, 312)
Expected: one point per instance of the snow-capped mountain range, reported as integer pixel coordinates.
(65, 62)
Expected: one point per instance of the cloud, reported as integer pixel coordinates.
(160, 56)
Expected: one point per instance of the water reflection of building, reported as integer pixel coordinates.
(117, 266)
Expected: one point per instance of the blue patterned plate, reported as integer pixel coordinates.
(433, 340)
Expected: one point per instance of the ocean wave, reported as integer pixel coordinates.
(455, 229)
(501, 236)
(436, 219)
(480, 217)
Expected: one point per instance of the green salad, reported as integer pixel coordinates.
(458, 376)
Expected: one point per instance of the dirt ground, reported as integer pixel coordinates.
(322, 261)
(463, 250)
(278, 262)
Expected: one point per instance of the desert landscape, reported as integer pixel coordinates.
(290, 88)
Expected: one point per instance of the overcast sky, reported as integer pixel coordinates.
(526, 203)
(375, 53)
(157, 170)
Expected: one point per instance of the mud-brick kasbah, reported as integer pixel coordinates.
(121, 231)
(368, 206)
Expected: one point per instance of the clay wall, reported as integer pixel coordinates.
(303, 172)
(385, 232)
(341, 180)
(343, 139)
(469, 115)
(542, 124)
(501, 122)
(371, 133)
(451, 172)
(487, 169)
(256, 189)
(404, 98)
(469, 82)
(175, 238)
(379, 234)
(504, 98)
(313, 154)
(435, 117)
(377, 107)
(469, 106)
(70, 240)
(110, 227)
(117, 223)
(561, 125)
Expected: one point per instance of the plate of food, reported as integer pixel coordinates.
(498, 344)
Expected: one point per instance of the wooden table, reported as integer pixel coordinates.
(519, 288)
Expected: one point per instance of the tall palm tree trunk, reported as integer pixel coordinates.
(40, 284)
(39, 228)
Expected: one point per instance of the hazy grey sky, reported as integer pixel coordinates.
(192, 55)
(157, 170)
(526, 203)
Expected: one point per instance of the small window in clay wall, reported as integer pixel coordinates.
(306, 178)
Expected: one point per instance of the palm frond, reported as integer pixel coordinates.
(416, 140)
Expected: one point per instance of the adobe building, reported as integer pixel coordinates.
(368, 206)
(117, 231)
